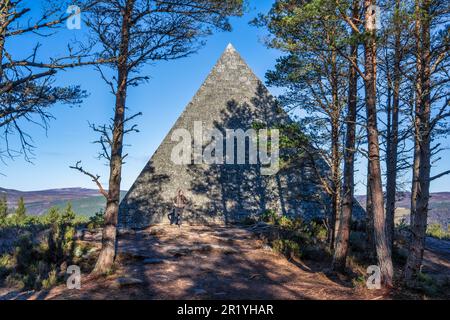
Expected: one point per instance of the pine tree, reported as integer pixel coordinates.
(53, 219)
(374, 173)
(3, 210)
(348, 188)
(313, 74)
(21, 211)
(27, 89)
(69, 215)
(67, 231)
(134, 33)
(431, 116)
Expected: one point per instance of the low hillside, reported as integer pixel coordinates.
(84, 201)
(439, 207)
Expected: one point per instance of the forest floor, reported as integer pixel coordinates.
(200, 262)
(437, 257)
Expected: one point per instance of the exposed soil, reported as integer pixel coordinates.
(199, 262)
(196, 262)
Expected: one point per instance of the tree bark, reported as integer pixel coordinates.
(3, 18)
(392, 149)
(107, 254)
(370, 242)
(376, 187)
(342, 239)
(334, 117)
(422, 155)
(335, 153)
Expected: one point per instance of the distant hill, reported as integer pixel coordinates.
(84, 201)
(88, 201)
(439, 207)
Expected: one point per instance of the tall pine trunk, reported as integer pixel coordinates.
(422, 154)
(107, 254)
(4, 11)
(376, 187)
(393, 119)
(342, 238)
(335, 206)
(336, 158)
(335, 152)
(370, 242)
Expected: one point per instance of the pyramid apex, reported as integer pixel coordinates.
(230, 48)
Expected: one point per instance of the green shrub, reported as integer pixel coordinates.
(298, 223)
(435, 230)
(18, 218)
(68, 216)
(51, 217)
(26, 257)
(96, 221)
(269, 216)
(33, 264)
(51, 280)
(285, 222)
(359, 282)
(318, 230)
(288, 248)
(402, 225)
(427, 284)
(15, 281)
(3, 210)
(290, 234)
(6, 261)
(6, 264)
(62, 232)
(21, 212)
(24, 253)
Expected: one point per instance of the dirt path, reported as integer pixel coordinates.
(207, 263)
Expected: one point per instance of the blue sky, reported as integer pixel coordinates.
(161, 100)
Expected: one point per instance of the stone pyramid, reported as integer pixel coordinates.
(231, 97)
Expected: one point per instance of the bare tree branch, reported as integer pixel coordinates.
(95, 178)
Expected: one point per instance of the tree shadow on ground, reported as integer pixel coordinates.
(204, 262)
